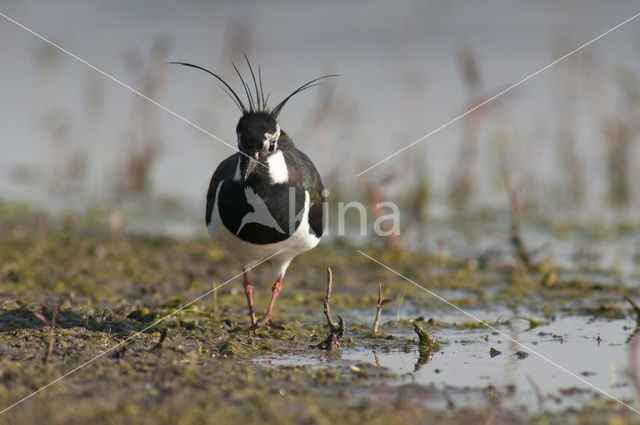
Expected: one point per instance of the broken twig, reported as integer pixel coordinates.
(381, 302)
(425, 341)
(427, 345)
(336, 332)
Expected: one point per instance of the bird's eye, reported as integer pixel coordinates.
(272, 145)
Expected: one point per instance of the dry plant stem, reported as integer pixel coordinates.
(51, 326)
(494, 409)
(636, 309)
(327, 298)
(376, 196)
(442, 256)
(621, 130)
(462, 184)
(336, 332)
(536, 389)
(378, 311)
(399, 306)
(516, 233)
(377, 358)
(633, 367)
(380, 303)
(450, 403)
(144, 138)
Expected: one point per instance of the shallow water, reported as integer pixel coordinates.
(464, 371)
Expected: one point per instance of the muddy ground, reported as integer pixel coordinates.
(200, 366)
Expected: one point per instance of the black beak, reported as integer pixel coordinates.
(247, 166)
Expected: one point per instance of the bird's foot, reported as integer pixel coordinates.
(274, 325)
(265, 321)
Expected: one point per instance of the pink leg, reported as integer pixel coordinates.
(275, 291)
(248, 290)
(266, 320)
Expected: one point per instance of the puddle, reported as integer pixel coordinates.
(464, 370)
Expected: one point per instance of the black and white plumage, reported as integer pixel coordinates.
(266, 200)
(252, 240)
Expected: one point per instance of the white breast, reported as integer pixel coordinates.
(278, 171)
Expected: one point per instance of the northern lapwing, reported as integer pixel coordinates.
(266, 200)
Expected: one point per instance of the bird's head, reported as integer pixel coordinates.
(258, 130)
(258, 134)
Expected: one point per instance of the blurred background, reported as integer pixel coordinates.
(73, 140)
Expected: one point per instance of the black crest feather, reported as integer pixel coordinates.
(276, 111)
(256, 101)
(232, 94)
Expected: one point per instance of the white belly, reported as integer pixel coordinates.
(249, 254)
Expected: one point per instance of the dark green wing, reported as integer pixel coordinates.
(312, 183)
